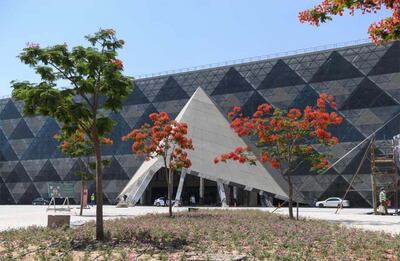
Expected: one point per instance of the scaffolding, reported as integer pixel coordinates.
(384, 175)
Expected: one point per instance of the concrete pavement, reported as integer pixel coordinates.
(15, 216)
(351, 217)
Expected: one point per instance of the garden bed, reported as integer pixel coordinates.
(200, 235)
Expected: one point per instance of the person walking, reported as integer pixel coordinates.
(192, 200)
(383, 200)
(92, 199)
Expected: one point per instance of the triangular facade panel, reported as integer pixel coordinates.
(36, 123)
(120, 129)
(18, 175)
(22, 131)
(6, 151)
(227, 101)
(391, 128)
(47, 173)
(389, 63)
(44, 146)
(280, 76)
(357, 160)
(114, 171)
(346, 132)
(10, 111)
(145, 116)
(19, 146)
(170, 91)
(136, 97)
(5, 195)
(232, 82)
(307, 65)
(30, 193)
(250, 107)
(367, 95)
(8, 126)
(340, 89)
(73, 174)
(307, 96)
(339, 187)
(150, 87)
(336, 68)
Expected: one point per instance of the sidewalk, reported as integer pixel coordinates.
(14, 216)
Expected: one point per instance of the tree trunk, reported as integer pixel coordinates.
(83, 186)
(291, 216)
(170, 190)
(99, 190)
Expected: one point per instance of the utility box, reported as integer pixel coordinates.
(54, 221)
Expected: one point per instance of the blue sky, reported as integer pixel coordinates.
(167, 34)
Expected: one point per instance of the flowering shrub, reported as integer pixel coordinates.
(285, 138)
(77, 145)
(165, 138)
(387, 29)
(255, 234)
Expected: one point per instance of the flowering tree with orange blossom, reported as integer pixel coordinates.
(77, 145)
(386, 30)
(164, 138)
(285, 137)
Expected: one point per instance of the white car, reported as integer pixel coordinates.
(332, 202)
(161, 202)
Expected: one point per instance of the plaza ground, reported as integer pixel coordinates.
(15, 216)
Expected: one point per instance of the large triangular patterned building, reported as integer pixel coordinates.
(365, 79)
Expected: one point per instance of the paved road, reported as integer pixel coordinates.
(14, 216)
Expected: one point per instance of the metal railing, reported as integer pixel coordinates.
(256, 58)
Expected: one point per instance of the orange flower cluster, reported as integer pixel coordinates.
(241, 154)
(383, 31)
(71, 144)
(106, 141)
(65, 145)
(285, 134)
(165, 137)
(119, 64)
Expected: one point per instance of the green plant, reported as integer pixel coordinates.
(96, 83)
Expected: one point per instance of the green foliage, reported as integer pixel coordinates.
(96, 84)
(96, 79)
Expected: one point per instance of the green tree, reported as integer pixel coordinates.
(96, 85)
(285, 138)
(78, 145)
(164, 138)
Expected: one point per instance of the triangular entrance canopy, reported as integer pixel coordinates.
(212, 136)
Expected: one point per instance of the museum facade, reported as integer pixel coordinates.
(365, 80)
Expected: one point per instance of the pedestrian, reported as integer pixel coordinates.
(92, 198)
(382, 200)
(192, 200)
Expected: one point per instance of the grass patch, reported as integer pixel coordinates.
(255, 234)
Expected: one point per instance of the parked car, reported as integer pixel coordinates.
(163, 201)
(332, 202)
(40, 201)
